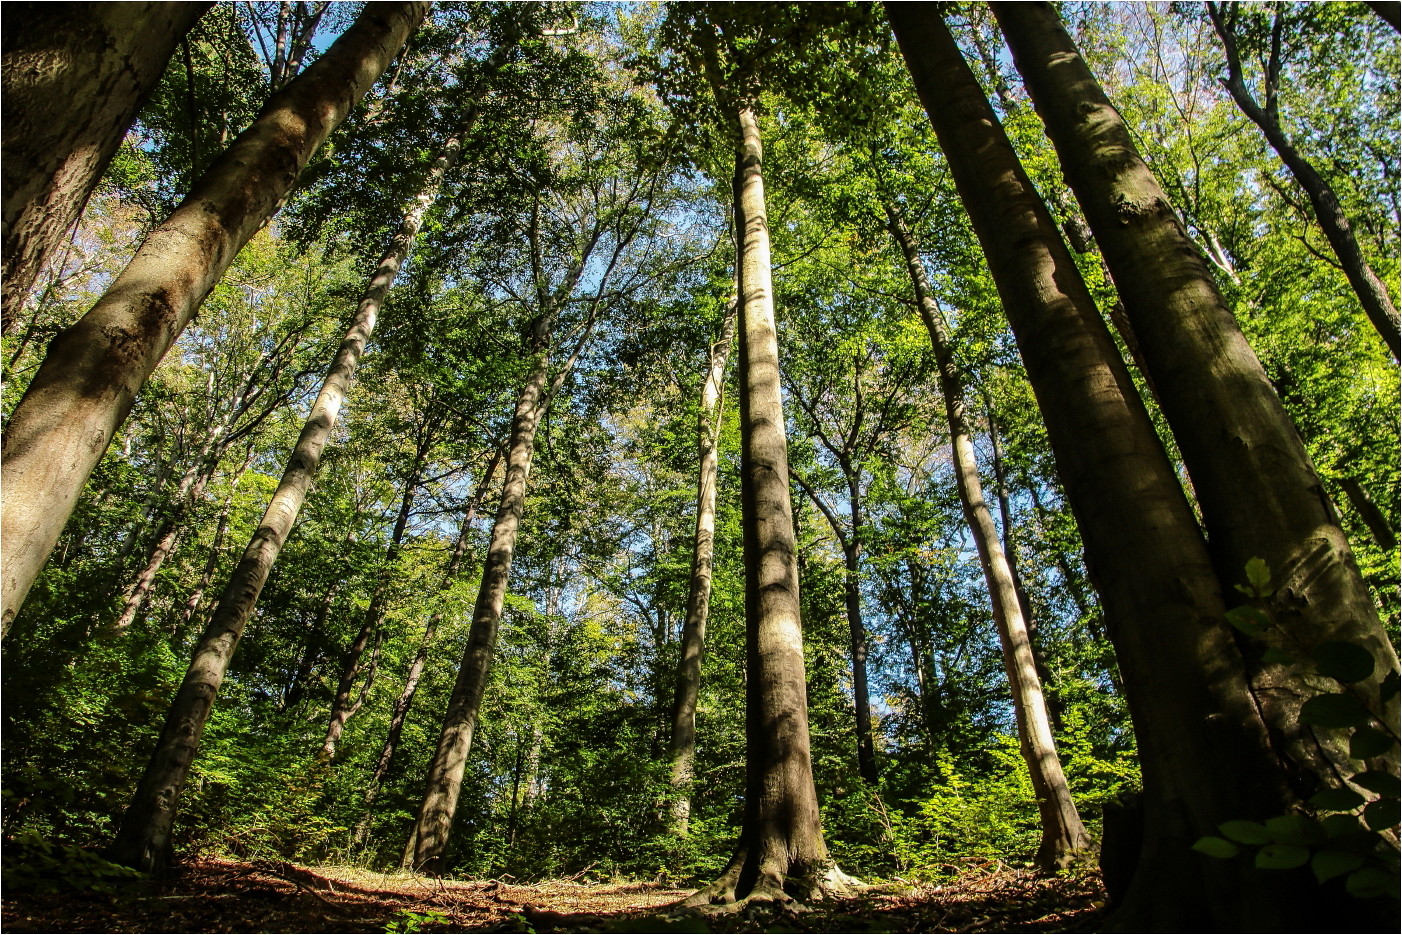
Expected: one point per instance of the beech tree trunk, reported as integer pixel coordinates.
(1183, 672)
(73, 77)
(1256, 485)
(88, 381)
(1372, 294)
(144, 839)
(681, 745)
(434, 826)
(1383, 533)
(1063, 834)
(781, 854)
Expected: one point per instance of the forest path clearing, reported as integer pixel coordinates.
(214, 895)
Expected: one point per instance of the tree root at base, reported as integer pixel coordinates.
(772, 890)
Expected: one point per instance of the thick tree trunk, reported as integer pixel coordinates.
(681, 745)
(1256, 485)
(405, 701)
(445, 772)
(781, 854)
(1163, 603)
(74, 76)
(144, 839)
(1372, 294)
(89, 380)
(1063, 834)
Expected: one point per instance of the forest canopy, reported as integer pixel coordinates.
(774, 448)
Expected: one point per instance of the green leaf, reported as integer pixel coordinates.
(1245, 832)
(1367, 882)
(1329, 864)
(1368, 742)
(1295, 829)
(1250, 620)
(1336, 800)
(1375, 780)
(1382, 814)
(1282, 856)
(1342, 660)
(1216, 847)
(1277, 657)
(1338, 826)
(1258, 574)
(1334, 710)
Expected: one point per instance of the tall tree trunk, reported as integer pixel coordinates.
(1383, 533)
(144, 839)
(74, 76)
(781, 849)
(1163, 603)
(342, 708)
(1256, 485)
(1063, 834)
(90, 377)
(681, 745)
(1372, 294)
(445, 772)
(405, 700)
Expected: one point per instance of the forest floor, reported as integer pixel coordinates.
(212, 895)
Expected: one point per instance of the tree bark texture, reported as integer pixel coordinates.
(1163, 604)
(74, 76)
(88, 381)
(435, 821)
(1372, 294)
(1063, 834)
(681, 745)
(781, 854)
(144, 839)
(1255, 484)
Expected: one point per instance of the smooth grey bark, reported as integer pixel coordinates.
(1064, 837)
(781, 854)
(144, 839)
(681, 743)
(88, 382)
(73, 77)
(1164, 608)
(1372, 294)
(1256, 485)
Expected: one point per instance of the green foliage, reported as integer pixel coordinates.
(34, 864)
(408, 921)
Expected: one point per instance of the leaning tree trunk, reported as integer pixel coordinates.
(144, 838)
(781, 853)
(1256, 485)
(89, 380)
(1063, 834)
(434, 825)
(681, 745)
(74, 75)
(1164, 609)
(1372, 294)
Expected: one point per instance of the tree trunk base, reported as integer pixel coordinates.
(749, 890)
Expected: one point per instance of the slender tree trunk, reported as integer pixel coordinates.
(1383, 533)
(74, 76)
(445, 772)
(187, 611)
(857, 639)
(1063, 834)
(1256, 485)
(405, 700)
(89, 380)
(1163, 603)
(1372, 294)
(144, 838)
(681, 746)
(781, 852)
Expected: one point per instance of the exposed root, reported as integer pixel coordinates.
(771, 893)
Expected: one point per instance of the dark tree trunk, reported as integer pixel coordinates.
(74, 76)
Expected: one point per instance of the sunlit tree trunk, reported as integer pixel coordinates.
(781, 854)
(74, 76)
(1063, 834)
(1256, 485)
(87, 383)
(1183, 672)
(144, 839)
(681, 746)
(1372, 294)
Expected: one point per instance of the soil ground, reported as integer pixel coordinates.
(212, 895)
